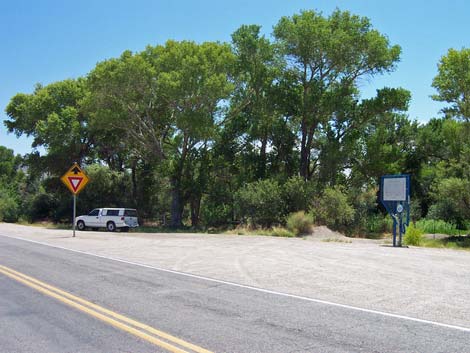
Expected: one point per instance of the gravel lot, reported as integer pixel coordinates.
(429, 284)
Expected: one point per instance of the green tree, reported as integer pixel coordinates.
(385, 147)
(127, 108)
(53, 117)
(453, 83)
(351, 129)
(443, 151)
(11, 183)
(256, 69)
(194, 81)
(130, 119)
(328, 56)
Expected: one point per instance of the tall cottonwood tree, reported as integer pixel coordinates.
(350, 130)
(165, 101)
(453, 83)
(52, 115)
(327, 56)
(256, 69)
(193, 81)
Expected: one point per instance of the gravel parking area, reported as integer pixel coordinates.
(429, 284)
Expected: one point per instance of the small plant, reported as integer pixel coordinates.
(282, 232)
(413, 236)
(299, 223)
(435, 226)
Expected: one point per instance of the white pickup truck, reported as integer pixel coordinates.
(109, 218)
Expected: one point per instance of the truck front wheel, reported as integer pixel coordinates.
(81, 225)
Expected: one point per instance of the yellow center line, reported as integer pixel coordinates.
(98, 312)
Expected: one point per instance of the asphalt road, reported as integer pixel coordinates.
(216, 316)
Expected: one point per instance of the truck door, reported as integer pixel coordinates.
(93, 218)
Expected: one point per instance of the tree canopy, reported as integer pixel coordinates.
(217, 134)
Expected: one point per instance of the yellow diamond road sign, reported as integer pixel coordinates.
(75, 179)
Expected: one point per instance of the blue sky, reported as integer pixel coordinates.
(46, 41)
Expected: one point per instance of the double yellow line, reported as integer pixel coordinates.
(136, 328)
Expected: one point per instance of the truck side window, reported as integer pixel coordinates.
(94, 212)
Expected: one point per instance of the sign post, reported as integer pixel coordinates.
(395, 197)
(75, 180)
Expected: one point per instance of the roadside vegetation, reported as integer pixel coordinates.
(265, 134)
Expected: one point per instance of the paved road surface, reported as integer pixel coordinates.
(218, 317)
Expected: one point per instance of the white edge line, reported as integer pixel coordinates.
(409, 318)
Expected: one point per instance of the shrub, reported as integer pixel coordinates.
(333, 209)
(366, 219)
(379, 224)
(297, 194)
(217, 204)
(452, 197)
(9, 209)
(432, 226)
(260, 203)
(413, 236)
(216, 215)
(282, 232)
(42, 206)
(299, 223)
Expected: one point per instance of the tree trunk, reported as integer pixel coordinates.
(195, 208)
(134, 182)
(304, 154)
(262, 161)
(176, 205)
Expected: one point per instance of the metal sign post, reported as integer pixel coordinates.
(74, 213)
(395, 197)
(75, 180)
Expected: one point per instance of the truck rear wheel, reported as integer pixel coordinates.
(111, 227)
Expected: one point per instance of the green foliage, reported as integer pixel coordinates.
(260, 203)
(437, 226)
(298, 194)
(214, 214)
(299, 223)
(377, 225)
(9, 164)
(43, 206)
(53, 117)
(9, 207)
(327, 56)
(413, 236)
(216, 133)
(333, 209)
(453, 83)
(11, 183)
(452, 200)
(365, 219)
(106, 188)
